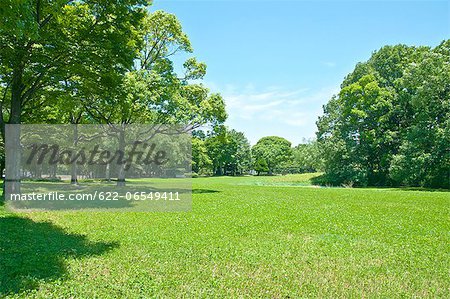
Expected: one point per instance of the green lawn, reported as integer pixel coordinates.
(270, 237)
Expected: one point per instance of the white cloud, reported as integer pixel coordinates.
(328, 63)
(274, 110)
(299, 122)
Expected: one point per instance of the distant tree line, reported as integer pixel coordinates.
(228, 152)
(390, 123)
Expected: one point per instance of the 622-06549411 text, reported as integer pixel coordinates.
(103, 196)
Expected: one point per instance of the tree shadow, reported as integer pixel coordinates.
(201, 191)
(424, 189)
(34, 252)
(324, 180)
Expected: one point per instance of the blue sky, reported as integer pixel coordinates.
(277, 62)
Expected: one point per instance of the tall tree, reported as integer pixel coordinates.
(201, 163)
(46, 42)
(274, 150)
(364, 127)
(229, 151)
(152, 92)
(424, 155)
(306, 157)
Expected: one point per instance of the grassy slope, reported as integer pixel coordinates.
(245, 237)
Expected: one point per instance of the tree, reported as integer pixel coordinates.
(363, 134)
(306, 157)
(152, 92)
(46, 42)
(274, 150)
(229, 151)
(43, 43)
(240, 153)
(423, 158)
(261, 166)
(360, 132)
(201, 163)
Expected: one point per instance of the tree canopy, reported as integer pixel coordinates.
(229, 151)
(99, 62)
(389, 124)
(273, 150)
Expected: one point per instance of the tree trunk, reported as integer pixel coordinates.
(108, 173)
(12, 143)
(121, 174)
(73, 171)
(53, 171)
(2, 168)
(39, 171)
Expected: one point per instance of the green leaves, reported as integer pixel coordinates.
(424, 156)
(194, 69)
(274, 150)
(49, 46)
(389, 123)
(229, 151)
(163, 36)
(152, 92)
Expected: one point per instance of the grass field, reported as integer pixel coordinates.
(273, 237)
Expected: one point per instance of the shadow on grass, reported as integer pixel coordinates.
(418, 189)
(323, 180)
(201, 191)
(33, 252)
